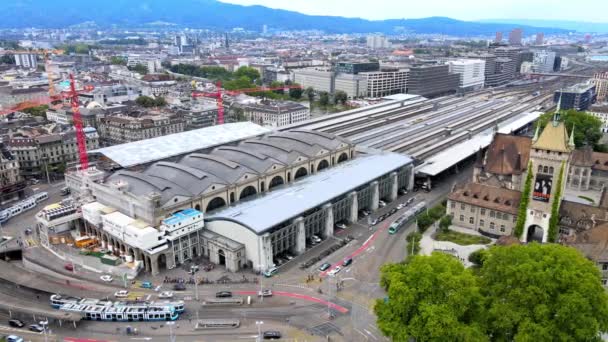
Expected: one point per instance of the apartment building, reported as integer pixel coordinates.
(276, 113)
(42, 151)
(12, 184)
(26, 60)
(601, 85)
(157, 85)
(149, 61)
(471, 72)
(120, 129)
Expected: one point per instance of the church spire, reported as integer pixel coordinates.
(556, 115)
(571, 141)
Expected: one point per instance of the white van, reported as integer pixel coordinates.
(41, 196)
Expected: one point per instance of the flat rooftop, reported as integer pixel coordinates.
(150, 150)
(449, 157)
(275, 207)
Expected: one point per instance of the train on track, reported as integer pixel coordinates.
(130, 311)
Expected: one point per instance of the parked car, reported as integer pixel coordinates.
(401, 206)
(121, 294)
(316, 239)
(146, 285)
(165, 295)
(324, 267)
(15, 323)
(341, 225)
(193, 269)
(223, 294)
(28, 231)
(374, 222)
(365, 212)
(394, 210)
(402, 191)
(14, 338)
(65, 191)
(70, 267)
(381, 204)
(347, 262)
(410, 201)
(107, 278)
(265, 293)
(36, 328)
(272, 335)
(272, 271)
(179, 287)
(289, 256)
(335, 271)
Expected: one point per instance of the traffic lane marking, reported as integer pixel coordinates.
(298, 296)
(361, 249)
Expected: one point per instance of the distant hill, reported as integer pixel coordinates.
(213, 14)
(578, 26)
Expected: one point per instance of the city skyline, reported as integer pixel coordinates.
(462, 10)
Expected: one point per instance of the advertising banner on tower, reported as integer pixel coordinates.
(542, 187)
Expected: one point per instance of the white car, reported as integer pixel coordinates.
(334, 271)
(401, 206)
(381, 204)
(265, 293)
(165, 295)
(106, 278)
(121, 294)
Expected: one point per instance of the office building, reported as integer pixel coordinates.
(318, 79)
(471, 72)
(579, 97)
(432, 80)
(498, 38)
(378, 42)
(510, 61)
(151, 62)
(601, 85)
(540, 38)
(353, 85)
(276, 113)
(543, 61)
(356, 67)
(515, 37)
(386, 82)
(26, 60)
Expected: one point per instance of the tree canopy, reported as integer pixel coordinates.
(587, 128)
(7, 59)
(118, 60)
(519, 293)
(249, 72)
(37, 111)
(140, 69)
(147, 102)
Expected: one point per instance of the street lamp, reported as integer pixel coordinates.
(261, 284)
(259, 325)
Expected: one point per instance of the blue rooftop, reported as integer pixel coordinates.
(181, 216)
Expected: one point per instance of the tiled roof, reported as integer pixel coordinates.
(486, 196)
(553, 138)
(508, 154)
(593, 243)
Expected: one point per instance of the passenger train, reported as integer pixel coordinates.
(105, 310)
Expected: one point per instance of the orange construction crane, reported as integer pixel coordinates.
(220, 101)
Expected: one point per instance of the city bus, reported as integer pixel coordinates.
(407, 217)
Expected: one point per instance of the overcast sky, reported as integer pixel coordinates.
(580, 10)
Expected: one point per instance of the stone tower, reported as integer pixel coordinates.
(550, 150)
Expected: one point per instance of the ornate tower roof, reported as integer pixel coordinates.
(554, 137)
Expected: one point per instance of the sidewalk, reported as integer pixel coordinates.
(428, 245)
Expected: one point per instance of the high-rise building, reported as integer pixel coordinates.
(26, 60)
(601, 85)
(543, 61)
(318, 79)
(579, 97)
(471, 71)
(515, 36)
(432, 80)
(540, 38)
(377, 42)
(498, 38)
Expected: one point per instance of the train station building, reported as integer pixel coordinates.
(238, 205)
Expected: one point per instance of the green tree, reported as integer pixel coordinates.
(477, 257)
(587, 128)
(432, 298)
(242, 82)
(543, 292)
(277, 84)
(249, 72)
(160, 102)
(554, 220)
(140, 69)
(310, 93)
(523, 204)
(118, 60)
(7, 59)
(146, 101)
(341, 97)
(37, 111)
(295, 93)
(445, 223)
(324, 98)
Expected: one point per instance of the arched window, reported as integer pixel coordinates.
(551, 169)
(545, 169)
(540, 168)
